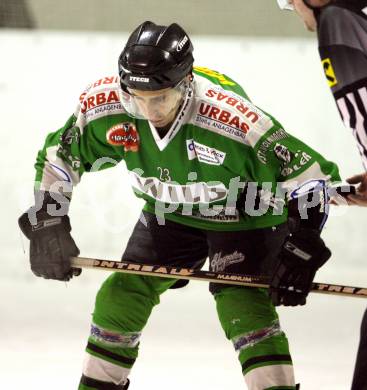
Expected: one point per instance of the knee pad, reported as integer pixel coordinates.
(251, 323)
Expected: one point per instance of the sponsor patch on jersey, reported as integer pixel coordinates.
(266, 144)
(242, 107)
(103, 81)
(225, 117)
(124, 134)
(99, 99)
(204, 154)
(283, 153)
(175, 193)
(300, 159)
(329, 72)
(101, 103)
(230, 115)
(221, 121)
(225, 215)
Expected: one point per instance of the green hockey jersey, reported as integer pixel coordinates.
(219, 148)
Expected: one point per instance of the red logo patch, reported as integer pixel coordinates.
(124, 134)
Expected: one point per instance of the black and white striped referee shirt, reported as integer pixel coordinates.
(342, 35)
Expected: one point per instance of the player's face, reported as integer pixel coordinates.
(159, 107)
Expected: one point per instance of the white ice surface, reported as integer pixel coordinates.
(44, 324)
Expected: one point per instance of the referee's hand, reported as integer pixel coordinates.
(360, 198)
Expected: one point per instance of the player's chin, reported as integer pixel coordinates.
(159, 123)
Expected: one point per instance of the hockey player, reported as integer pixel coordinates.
(213, 169)
(341, 27)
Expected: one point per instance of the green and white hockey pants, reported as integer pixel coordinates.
(248, 318)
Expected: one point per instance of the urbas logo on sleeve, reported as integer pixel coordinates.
(124, 134)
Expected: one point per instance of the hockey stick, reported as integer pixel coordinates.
(206, 276)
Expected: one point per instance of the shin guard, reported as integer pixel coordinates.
(250, 321)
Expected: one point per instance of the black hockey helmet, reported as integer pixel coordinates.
(155, 57)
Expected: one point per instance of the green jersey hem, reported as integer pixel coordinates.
(243, 224)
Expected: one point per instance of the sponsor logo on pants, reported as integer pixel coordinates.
(220, 263)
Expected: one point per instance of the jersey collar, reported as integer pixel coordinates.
(180, 120)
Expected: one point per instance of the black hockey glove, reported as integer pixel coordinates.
(302, 254)
(51, 245)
